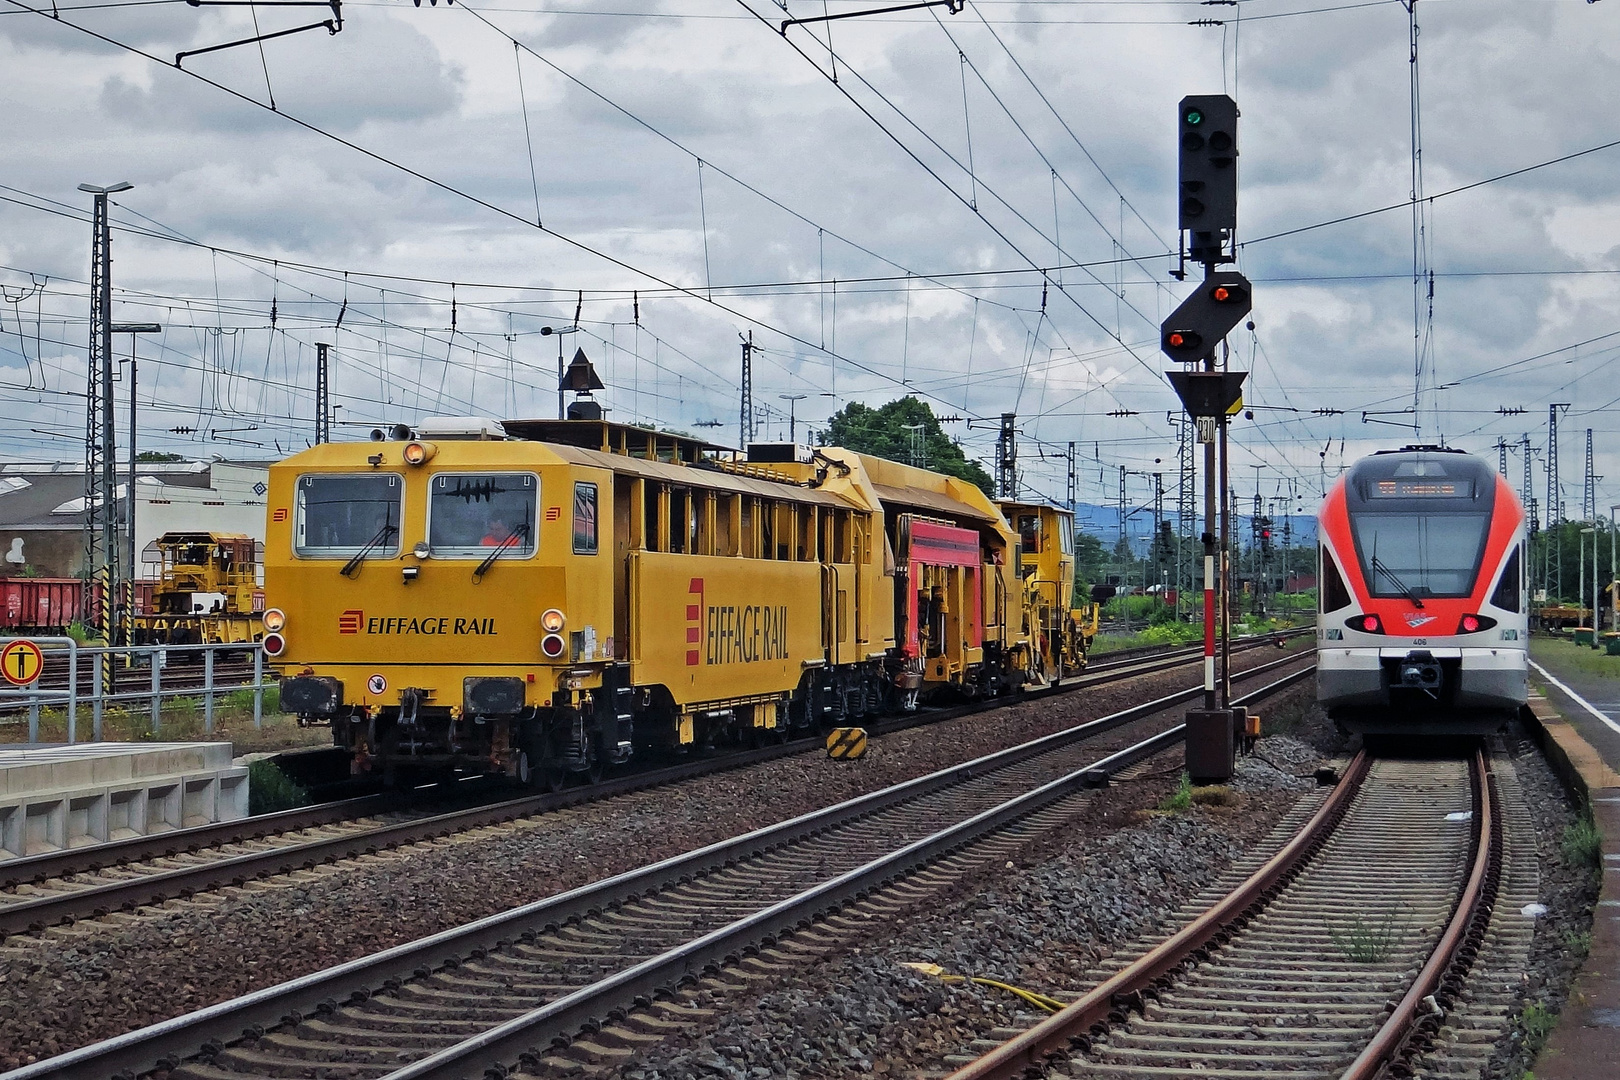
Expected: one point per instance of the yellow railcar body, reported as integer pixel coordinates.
(543, 604)
(1045, 565)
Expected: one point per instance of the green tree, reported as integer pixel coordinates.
(1090, 556)
(157, 455)
(887, 431)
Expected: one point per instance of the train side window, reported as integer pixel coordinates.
(747, 542)
(807, 534)
(584, 519)
(1506, 595)
(1029, 534)
(1066, 536)
(337, 515)
(470, 513)
(725, 524)
(680, 513)
(1334, 594)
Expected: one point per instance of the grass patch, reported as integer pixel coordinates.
(1583, 843)
(1181, 799)
(1563, 657)
(1213, 795)
(1537, 1023)
(1578, 942)
(1365, 942)
(270, 790)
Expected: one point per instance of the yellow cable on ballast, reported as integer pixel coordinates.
(1039, 1000)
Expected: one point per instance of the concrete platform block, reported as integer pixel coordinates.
(56, 797)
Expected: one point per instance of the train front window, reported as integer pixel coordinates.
(1419, 555)
(471, 514)
(338, 516)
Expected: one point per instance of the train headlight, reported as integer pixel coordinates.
(1366, 624)
(273, 644)
(419, 453)
(553, 646)
(1473, 624)
(552, 621)
(274, 619)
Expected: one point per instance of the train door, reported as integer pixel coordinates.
(624, 507)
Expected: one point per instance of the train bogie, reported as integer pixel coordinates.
(1422, 606)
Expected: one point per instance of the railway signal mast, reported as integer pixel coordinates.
(1207, 213)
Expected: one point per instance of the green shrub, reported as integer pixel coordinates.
(1583, 843)
(269, 789)
(1181, 799)
(242, 699)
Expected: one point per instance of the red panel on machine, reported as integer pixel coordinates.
(929, 544)
(943, 545)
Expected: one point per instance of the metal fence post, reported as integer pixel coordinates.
(73, 692)
(258, 687)
(33, 716)
(97, 705)
(208, 689)
(157, 691)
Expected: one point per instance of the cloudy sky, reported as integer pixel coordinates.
(976, 208)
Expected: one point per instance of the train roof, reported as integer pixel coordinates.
(610, 438)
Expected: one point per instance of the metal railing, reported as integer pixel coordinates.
(139, 678)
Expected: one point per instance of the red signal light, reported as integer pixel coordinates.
(1178, 340)
(1222, 293)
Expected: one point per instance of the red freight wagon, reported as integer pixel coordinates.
(39, 605)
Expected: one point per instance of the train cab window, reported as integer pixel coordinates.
(470, 513)
(1419, 555)
(584, 519)
(1506, 595)
(337, 516)
(1029, 534)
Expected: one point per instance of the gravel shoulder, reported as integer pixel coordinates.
(96, 980)
(1043, 922)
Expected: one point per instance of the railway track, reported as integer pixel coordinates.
(50, 889)
(1339, 957)
(603, 959)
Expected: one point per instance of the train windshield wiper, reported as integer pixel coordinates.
(1414, 595)
(519, 533)
(388, 529)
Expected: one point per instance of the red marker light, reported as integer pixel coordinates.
(1367, 624)
(1470, 624)
(274, 644)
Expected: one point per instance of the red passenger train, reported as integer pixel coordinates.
(1422, 610)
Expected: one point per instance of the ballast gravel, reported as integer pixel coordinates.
(96, 980)
(1043, 922)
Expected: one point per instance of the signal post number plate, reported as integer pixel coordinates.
(21, 662)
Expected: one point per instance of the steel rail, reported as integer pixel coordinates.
(1407, 1028)
(1054, 1034)
(129, 893)
(166, 1044)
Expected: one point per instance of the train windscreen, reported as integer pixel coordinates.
(338, 515)
(1418, 555)
(469, 514)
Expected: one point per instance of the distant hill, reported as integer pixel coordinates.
(1103, 523)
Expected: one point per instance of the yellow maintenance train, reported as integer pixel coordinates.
(543, 598)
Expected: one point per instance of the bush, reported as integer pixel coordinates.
(1583, 843)
(242, 700)
(270, 790)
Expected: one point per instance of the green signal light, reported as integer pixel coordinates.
(1195, 117)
